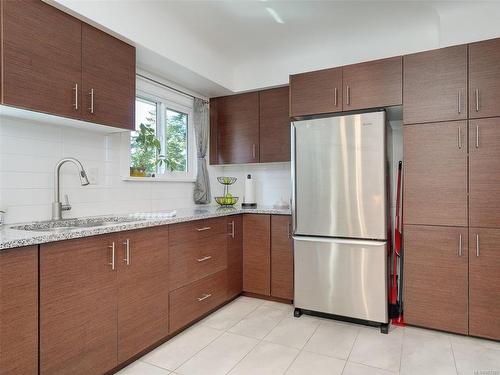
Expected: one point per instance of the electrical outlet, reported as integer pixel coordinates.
(93, 175)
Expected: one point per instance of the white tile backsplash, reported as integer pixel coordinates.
(29, 151)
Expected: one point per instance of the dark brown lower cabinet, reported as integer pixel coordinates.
(484, 283)
(281, 257)
(19, 311)
(257, 254)
(235, 256)
(436, 277)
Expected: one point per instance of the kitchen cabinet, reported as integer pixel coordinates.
(435, 85)
(274, 133)
(234, 256)
(484, 282)
(234, 126)
(373, 84)
(316, 92)
(78, 306)
(142, 263)
(436, 277)
(484, 172)
(41, 58)
(19, 311)
(257, 254)
(484, 78)
(435, 188)
(281, 257)
(108, 78)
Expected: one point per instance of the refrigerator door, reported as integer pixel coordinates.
(339, 173)
(342, 277)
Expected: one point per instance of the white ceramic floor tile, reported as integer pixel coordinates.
(219, 357)
(182, 347)
(231, 314)
(376, 349)
(141, 368)
(352, 368)
(311, 363)
(266, 359)
(473, 356)
(259, 322)
(335, 340)
(278, 305)
(293, 332)
(427, 353)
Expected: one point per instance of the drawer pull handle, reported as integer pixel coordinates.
(127, 252)
(205, 296)
(204, 258)
(232, 229)
(203, 229)
(112, 247)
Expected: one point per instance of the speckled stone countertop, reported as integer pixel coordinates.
(12, 238)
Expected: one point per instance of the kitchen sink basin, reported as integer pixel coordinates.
(62, 225)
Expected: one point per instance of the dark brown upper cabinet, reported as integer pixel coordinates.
(435, 188)
(484, 79)
(274, 138)
(373, 84)
(234, 122)
(42, 58)
(108, 77)
(316, 92)
(435, 85)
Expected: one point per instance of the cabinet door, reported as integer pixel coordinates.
(435, 181)
(238, 129)
(373, 84)
(274, 139)
(41, 58)
(484, 78)
(316, 92)
(78, 304)
(19, 311)
(484, 172)
(142, 289)
(281, 257)
(435, 85)
(235, 256)
(435, 279)
(257, 254)
(108, 75)
(484, 283)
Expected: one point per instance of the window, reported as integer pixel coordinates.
(162, 145)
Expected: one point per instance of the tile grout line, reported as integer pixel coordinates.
(453, 354)
(352, 347)
(402, 348)
(301, 350)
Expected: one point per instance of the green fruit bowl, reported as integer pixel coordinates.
(226, 201)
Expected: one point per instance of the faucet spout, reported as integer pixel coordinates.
(57, 207)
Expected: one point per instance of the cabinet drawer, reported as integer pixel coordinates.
(192, 301)
(196, 259)
(187, 233)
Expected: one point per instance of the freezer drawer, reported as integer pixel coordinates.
(341, 277)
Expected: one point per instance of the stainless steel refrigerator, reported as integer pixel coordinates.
(339, 206)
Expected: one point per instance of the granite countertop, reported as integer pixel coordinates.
(11, 238)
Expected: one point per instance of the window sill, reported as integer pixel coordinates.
(158, 179)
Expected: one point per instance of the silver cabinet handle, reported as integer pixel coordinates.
(127, 252)
(476, 94)
(460, 246)
(459, 138)
(289, 231)
(459, 102)
(253, 151)
(336, 97)
(75, 105)
(203, 229)
(477, 245)
(477, 136)
(204, 258)
(232, 228)
(205, 296)
(91, 108)
(112, 247)
(348, 93)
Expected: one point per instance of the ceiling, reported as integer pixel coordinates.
(217, 47)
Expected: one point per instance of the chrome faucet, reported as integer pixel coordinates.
(57, 206)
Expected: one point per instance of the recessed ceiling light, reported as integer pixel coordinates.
(275, 15)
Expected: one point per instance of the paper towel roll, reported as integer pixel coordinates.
(249, 190)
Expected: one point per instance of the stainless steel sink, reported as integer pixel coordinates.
(63, 225)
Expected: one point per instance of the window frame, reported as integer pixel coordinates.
(164, 99)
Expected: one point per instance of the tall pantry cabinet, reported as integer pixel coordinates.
(452, 188)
